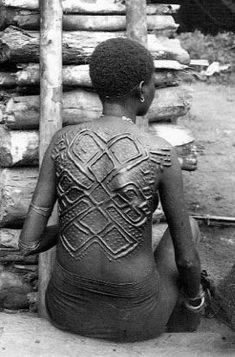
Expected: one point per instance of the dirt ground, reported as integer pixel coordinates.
(211, 188)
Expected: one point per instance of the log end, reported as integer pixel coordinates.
(5, 52)
(5, 157)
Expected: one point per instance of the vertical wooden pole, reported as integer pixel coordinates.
(50, 106)
(136, 21)
(136, 28)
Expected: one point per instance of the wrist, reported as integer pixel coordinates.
(28, 248)
(195, 304)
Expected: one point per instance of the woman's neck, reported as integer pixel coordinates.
(117, 110)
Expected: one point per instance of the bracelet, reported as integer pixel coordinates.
(189, 302)
(200, 295)
(29, 247)
(42, 211)
(195, 309)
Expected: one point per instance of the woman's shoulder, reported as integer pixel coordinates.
(159, 150)
(62, 138)
(67, 131)
(154, 142)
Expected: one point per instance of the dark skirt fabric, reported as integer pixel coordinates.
(98, 309)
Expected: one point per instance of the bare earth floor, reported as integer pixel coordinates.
(28, 336)
(211, 189)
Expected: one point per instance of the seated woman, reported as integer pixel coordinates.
(107, 175)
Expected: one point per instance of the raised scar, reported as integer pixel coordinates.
(105, 188)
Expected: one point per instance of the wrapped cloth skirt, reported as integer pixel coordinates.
(99, 309)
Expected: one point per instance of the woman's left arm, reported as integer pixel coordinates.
(35, 237)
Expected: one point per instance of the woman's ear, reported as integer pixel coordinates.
(141, 92)
(145, 94)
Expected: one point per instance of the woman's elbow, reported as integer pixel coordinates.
(189, 263)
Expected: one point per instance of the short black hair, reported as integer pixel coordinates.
(118, 65)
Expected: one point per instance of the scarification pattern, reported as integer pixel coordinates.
(105, 189)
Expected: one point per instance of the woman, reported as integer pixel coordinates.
(106, 175)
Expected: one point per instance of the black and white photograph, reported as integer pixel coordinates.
(117, 178)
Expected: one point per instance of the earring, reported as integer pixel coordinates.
(142, 99)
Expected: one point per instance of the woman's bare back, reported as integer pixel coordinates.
(107, 191)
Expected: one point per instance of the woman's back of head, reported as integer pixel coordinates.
(118, 66)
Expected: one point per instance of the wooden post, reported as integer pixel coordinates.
(50, 106)
(136, 28)
(136, 20)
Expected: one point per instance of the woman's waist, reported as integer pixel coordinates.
(97, 266)
(139, 289)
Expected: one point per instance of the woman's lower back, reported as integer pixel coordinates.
(100, 309)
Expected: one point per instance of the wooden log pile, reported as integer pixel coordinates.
(85, 24)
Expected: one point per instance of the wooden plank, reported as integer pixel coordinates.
(212, 220)
(50, 108)
(21, 46)
(169, 64)
(92, 7)
(23, 112)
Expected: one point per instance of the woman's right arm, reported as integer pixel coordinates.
(172, 199)
(35, 236)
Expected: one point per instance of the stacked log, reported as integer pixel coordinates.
(19, 45)
(85, 24)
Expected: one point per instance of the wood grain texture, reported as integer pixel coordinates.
(92, 7)
(81, 105)
(16, 189)
(21, 46)
(30, 20)
(73, 76)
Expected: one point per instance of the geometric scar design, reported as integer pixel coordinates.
(105, 191)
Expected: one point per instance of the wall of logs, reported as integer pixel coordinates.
(85, 24)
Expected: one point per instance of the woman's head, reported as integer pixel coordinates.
(120, 69)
